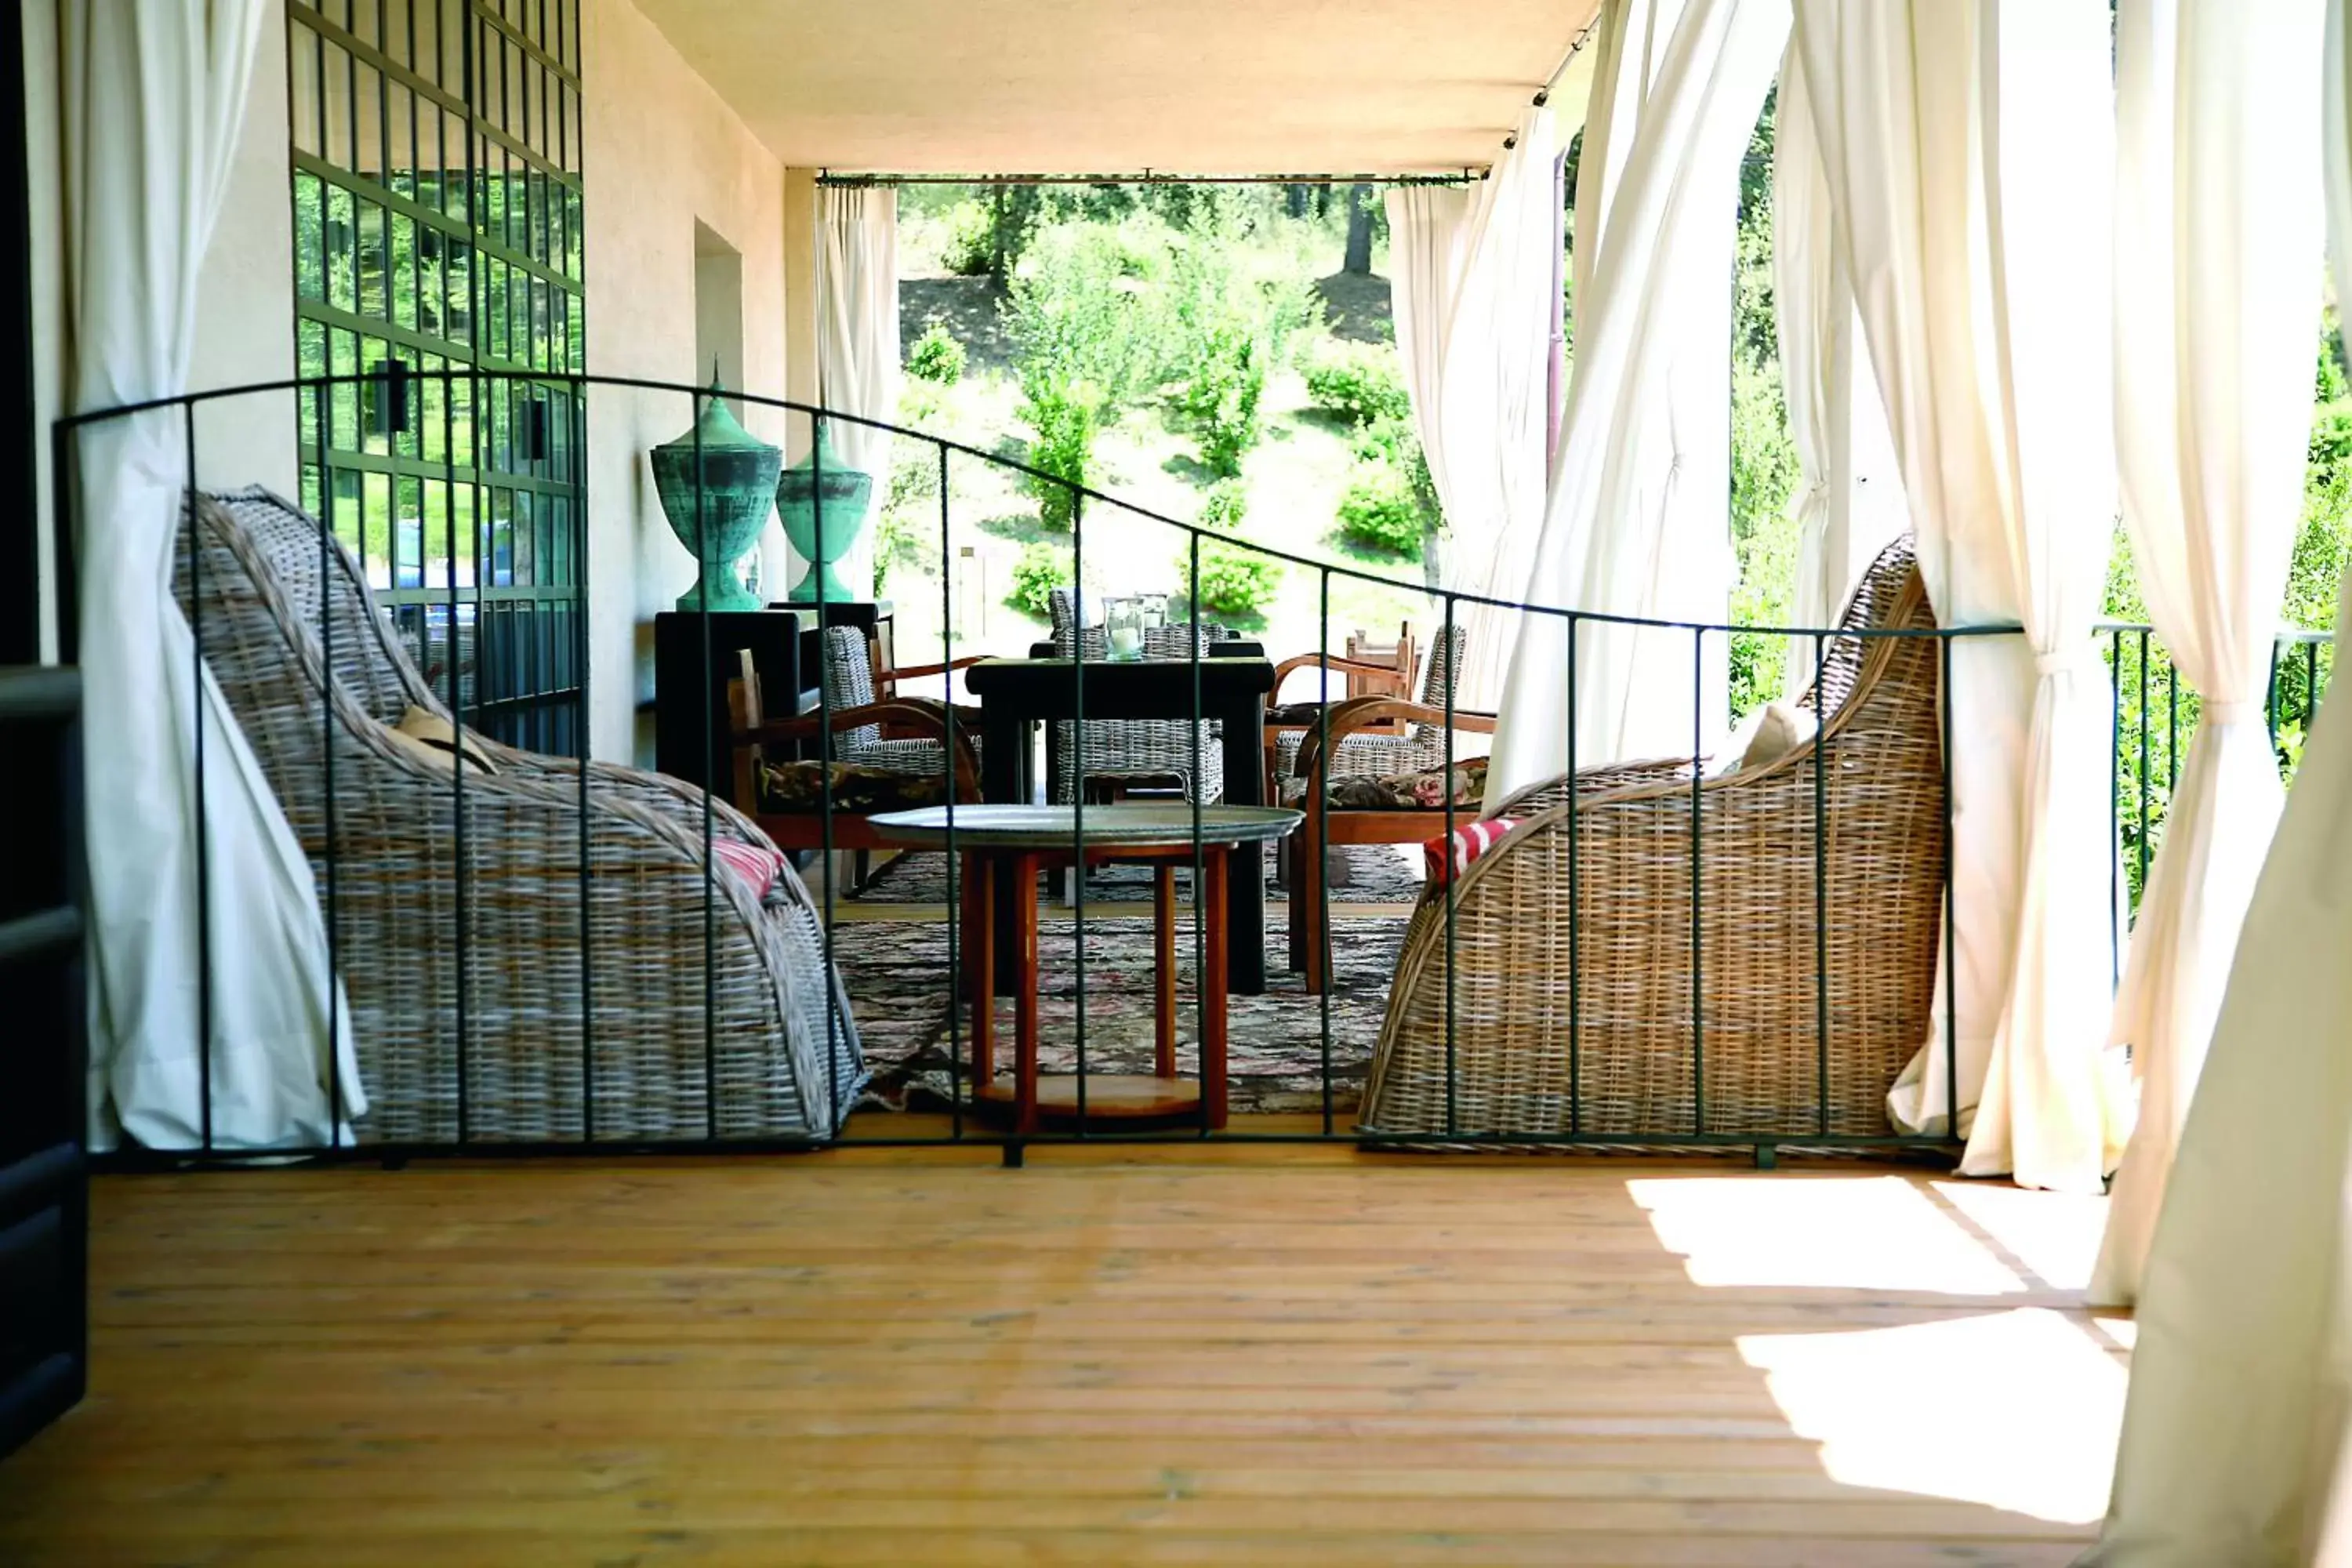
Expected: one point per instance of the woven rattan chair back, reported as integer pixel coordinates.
(1591, 994)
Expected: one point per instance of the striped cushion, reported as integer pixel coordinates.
(756, 867)
(1459, 850)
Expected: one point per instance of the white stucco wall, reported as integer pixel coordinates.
(663, 153)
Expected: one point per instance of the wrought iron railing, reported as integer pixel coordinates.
(597, 1109)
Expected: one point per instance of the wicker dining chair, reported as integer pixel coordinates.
(1586, 995)
(851, 682)
(524, 958)
(1121, 754)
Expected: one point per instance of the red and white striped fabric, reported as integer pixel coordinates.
(1459, 850)
(757, 868)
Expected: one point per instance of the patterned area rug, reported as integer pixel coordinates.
(896, 974)
(1374, 873)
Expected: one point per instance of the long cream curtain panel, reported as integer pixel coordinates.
(1967, 148)
(1637, 519)
(857, 338)
(2217, 226)
(1473, 274)
(1848, 501)
(155, 92)
(2235, 1443)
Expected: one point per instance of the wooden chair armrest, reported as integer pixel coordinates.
(914, 712)
(915, 671)
(1345, 718)
(1331, 661)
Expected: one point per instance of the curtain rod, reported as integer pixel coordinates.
(1543, 93)
(1147, 177)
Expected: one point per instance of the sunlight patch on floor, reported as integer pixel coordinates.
(2054, 1235)
(2017, 1410)
(1876, 1232)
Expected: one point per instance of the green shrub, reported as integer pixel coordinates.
(1380, 512)
(1219, 401)
(1082, 306)
(936, 357)
(1224, 506)
(1236, 582)
(1042, 568)
(970, 250)
(1362, 383)
(1063, 418)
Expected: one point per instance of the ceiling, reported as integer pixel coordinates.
(1194, 87)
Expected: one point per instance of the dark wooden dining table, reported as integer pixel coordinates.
(1016, 695)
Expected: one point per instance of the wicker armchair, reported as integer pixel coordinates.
(485, 974)
(850, 682)
(1590, 1012)
(1128, 753)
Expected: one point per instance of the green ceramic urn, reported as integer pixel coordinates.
(822, 487)
(733, 474)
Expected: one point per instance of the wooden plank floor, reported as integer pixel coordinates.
(895, 1357)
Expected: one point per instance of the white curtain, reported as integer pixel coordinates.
(1473, 273)
(1849, 502)
(155, 92)
(1969, 150)
(857, 338)
(1637, 519)
(2235, 1438)
(2217, 226)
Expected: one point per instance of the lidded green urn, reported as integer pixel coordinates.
(717, 480)
(822, 485)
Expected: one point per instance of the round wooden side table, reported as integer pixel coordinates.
(1003, 849)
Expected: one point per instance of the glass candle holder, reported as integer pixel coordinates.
(1123, 628)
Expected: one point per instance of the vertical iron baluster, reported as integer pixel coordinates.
(703, 567)
(1698, 782)
(1575, 934)
(2172, 726)
(2143, 758)
(1453, 1061)
(2310, 684)
(2114, 807)
(464, 884)
(1321, 848)
(955, 889)
(1078, 776)
(2271, 696)
(824, 802)
(1199, 793)
(204, 815)
(1821, 884)
(327, 783)
(1951, 949)
(576, 418)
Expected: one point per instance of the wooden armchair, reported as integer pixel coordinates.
(1405, 807)
(783, 791)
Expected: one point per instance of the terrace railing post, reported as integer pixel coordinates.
(1079, 775)
(1699, 940)
(1321, 848)
(955, 861)
(831, 1126)
(1821, 886)
(203, 815)
(1446, 891)
(575, 422)
(328, 911)
(1575, 935)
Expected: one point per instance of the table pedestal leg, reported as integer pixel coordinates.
(1024, 869)
(1163, 959)
(979, 964)
(1216, 864)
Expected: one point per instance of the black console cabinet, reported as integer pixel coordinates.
(44, 1185)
